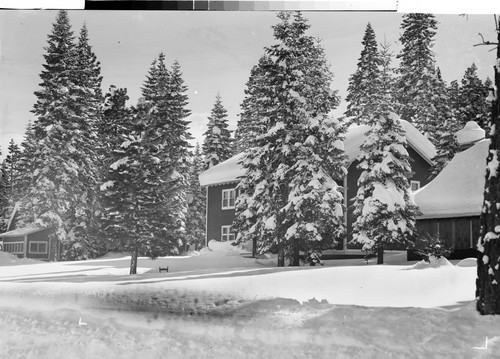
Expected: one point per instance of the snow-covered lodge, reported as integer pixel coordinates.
(220, 181)
(451, 203)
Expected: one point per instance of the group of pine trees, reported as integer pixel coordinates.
(102, 174)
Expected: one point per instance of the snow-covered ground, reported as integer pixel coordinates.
(220, 303)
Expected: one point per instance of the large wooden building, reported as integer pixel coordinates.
(30, 242)
(220, 181)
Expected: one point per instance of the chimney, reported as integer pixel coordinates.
(469, 135)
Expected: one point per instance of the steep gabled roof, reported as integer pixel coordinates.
(229, 170)
(458, 190)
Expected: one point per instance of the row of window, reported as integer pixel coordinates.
(35, 247)
(229, 195)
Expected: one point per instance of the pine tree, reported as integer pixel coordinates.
(62, 186)
(12, 170)
(130, 195)
(250, 124)
(289, 198)
(447, 124)
(384, 206)
(362, 90)
(195, 219)
(4, 195)
(115, 111)
(417, 78)
(488, 245)
(217, 145)
(472, 104)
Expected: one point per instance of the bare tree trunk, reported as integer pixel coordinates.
(254, 247)
(296, 253)
(281, 255)
(133, 260)
(488, 245)
(380, 255)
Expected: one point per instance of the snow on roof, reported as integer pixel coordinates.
(458, 190)
(470, 133)
(224, 172)
(21, 232)
(230, 170)
(356, 135)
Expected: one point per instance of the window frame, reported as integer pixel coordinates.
(38, 246)
(229, 233)
(20, 244)
(412, 183)
(229, 191)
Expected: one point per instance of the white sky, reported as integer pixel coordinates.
(216, 51)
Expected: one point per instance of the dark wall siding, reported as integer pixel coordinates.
(458, 233)
(216, 216)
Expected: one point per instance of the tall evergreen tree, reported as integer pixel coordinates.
(472, 104)
(4, 195)
(250, 124)
(130, 192)
(61, 191)
(488, 245)
(417, 78)
(217, 145)
(384, 206)
(364, 84)
(289, 198)
(195, 220)
(12, 169)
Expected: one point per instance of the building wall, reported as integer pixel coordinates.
(458, 233)
(11, 240)
(42, 236)
(420, 169)
(216, 216)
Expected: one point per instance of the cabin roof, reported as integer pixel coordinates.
(18, 232)
(230, 170)
(457, 191)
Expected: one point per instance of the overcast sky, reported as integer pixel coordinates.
(216, 51)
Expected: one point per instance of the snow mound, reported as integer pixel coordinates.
(433, 263)
(113, 255)
(467, 262)
(224, 248)
(8, 259)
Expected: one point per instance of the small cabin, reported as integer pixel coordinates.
(31, 242)
(451, 203)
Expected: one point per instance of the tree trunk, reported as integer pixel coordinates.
(281, 255)
(133, 261)
(380, 255)
(488, 272)
(254, 247)
(296, 253)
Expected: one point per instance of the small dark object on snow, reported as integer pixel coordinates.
(163, 269)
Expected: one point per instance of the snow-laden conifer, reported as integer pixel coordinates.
(471, 99)
(250, 124)
(384, 204)
(61, 190)
(217, 145)
(195, 219)
(289, 199)
(4, 195)
(362, 89)
(417, 78)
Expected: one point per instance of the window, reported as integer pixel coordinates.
(415, 185)
(14, 247)
(227, 233)
(37, 247)
(228, 198)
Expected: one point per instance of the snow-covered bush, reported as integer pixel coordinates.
(432, 246)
